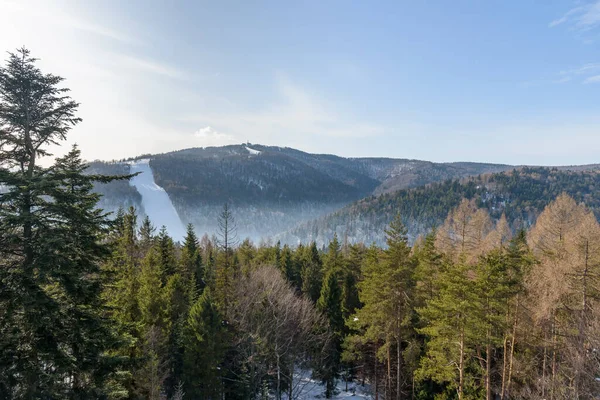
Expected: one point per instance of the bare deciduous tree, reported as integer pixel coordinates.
(280, 330)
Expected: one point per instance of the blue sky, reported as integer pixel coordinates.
(500, 81)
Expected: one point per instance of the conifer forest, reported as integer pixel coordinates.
(101, 305)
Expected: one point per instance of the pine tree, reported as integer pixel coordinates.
(225, 266)
(204, 349)
(330, 304)
(333, 260)
(177, 298)
(121, 293)
(453, 330)
(152, 347)
(79, 247)
(246, 256)
(311, 272)
(191, 258)
(286, 264)
(427, 270)
(166, 253)
(54, 336)
(147, 231)
(351, 277)
(386, 292)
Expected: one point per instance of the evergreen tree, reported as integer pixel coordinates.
(54, 335)
(311, 272)
(246, 255)
(225, 267)
(454, 329)
(286, 264)
(330, 304)
(427, 270)
(177, 299)
(204, 349)
(334, 259)
(147, 231)
(166, 253)
(191, 258)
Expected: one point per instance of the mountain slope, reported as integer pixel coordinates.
(271, 189)
(520, 194)
(274, 189)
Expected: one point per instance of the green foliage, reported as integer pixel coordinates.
(205, 343)
(521, 194)
(311, 271)
(56, 338)
(330, 304)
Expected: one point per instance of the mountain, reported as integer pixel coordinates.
(521, 194)
(270, 189)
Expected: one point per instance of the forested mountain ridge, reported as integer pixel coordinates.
(260, 168)
(272, 189)
(521, 194)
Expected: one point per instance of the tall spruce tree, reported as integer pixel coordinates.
(191, 259)
(454, 330)
(330, 304)
(54, 336)
(311, 272)
(205, 348)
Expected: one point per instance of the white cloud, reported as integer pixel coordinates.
(211, 136)
(584, 17)
(593, 79)
(566, 17)
(153, 67)
(585, 68)
(585, 73)
(298, 114)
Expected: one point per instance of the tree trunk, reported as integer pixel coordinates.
(398, 367)
(504, 365)
(291, 388)
(580, 361)
(388, 392)
(553, 381)
(461, 367)
(544, 364)
(376, 382)
(278, 393)
(488, 375)
(512, 349)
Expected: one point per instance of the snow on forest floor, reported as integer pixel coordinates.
(155, 200)
(309, 389)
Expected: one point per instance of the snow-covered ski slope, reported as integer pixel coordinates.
(156, 202)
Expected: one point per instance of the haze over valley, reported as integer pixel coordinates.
(283, 194)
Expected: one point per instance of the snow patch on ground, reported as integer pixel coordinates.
(252, 151)
(155, 200)
(307, 388)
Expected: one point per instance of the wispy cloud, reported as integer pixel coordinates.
(583, 17)
(42, 10)
(298, 112)
(564, 79)
(210, 136)
(592, 79)
(581, 70)
(585, 73)
(154, 67)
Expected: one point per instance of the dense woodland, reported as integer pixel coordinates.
(521, 195)
(93, 307)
